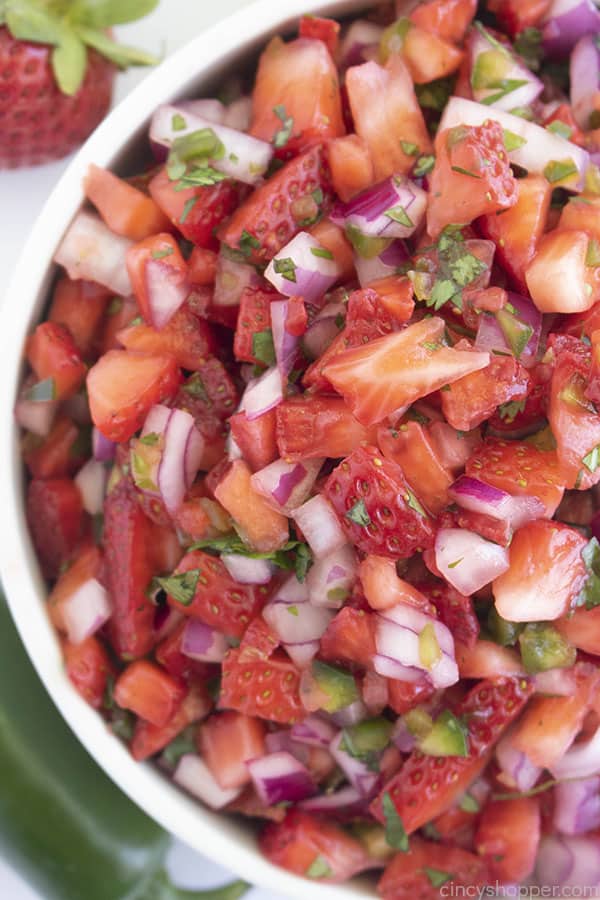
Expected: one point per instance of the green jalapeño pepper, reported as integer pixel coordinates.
(63, 824)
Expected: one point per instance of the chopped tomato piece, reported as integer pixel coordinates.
(427, 55)
(79, 306)
(516, 15)
(558, 277)
(449, 19)
(318, 425)
(185, 337)
(149, 692)
(52, 353)
(88, 667)
(56, 521)
(202, 266)
(121, 312)
(405, 695)
(350, 638)
(125, 209)
(411, 875)
(351, 166)
(227, 741)
(581, 214)
(326, 30)
(149, 739)
(508, 836)
(256, 438)
(263, 527)
(411, 447)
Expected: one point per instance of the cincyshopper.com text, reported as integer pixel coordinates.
(475, 892)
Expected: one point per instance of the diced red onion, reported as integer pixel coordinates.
(391, 668)
(491, 337)
(517, 768)
(296, 622)
(359, 36)
(581, 761)
(206, 107)
(556, 682)
(387, 263)
(285, 344)
(318, 522)
(568, 861)
(86, 610)
(232, 448)
(246, 158)
(375, 692)
(584, 79)
(280, 778)
(167, 289)
(368, 210)
(310, 274)
(246, 570)
(91, 481)
(467, 561)
(566, 22)
(36, 416)
(202, 642)
(350, 715)
(402, 737)
(577, 806)
(157, 419)
(320, 334)
(514, 71)
(286, 485)
(166, 618)
(303, 653)
(344, 798)
(358, 774)
(480, 497)
(194, 776)
(90, 250)
(314, 731)
(77, 407)
(180, 460)
(330, 578)
(238, 114)
(291, 591)
(275, 741)
(263, 393)
(397, 637)
(231, 279)
(103, 449)
(540, 148)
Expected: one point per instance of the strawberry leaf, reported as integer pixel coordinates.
(104, 13)
(69, 61)
(119, 54)
(28, 22)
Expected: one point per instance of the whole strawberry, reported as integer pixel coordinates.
(57, 67)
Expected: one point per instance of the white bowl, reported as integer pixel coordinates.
(191, 71)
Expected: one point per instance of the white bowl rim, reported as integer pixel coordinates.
(209, 833)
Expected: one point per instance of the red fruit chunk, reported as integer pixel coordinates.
(79, 306)
(58, 454)
(267, 688)
(226, 741)
(156, 256)
(149, 692)
(185, 336)
(472, 176)
(516, 15)
(411, 447)
(575, 422)
(326, 30)
(255, 438)
(52, 353)
(317, 425)
(88, 667)
(407, 877)
(253, 325)
(405, 695)
(449, 19)
(125, 209)
(456, 612)
(124, 385)
(56, 520)
(508, 836)
(149, 739)
(350, 638)
(376, 507)
(471, 400)
(169, 655)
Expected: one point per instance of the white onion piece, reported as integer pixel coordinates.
(86, 610)
(581, 761)
(314, 731)
(181, 456)
(350, 715)
(246, 158)
(568, 862)
(90, 250)
(540, 148)
(357, 773)
(318, 522)
(103, 449)
(330, 578)
(387, 263)
(514, 71)
(391, 668)
(467, 561)
(157, 419)
(577, 806)
(309, 274)
(263, 393)
(36, 416)
(480, 497)
(91, 481)
(280, 778)
(167, 288)
(208, 107)
(517, 768)
(202, 642)
(238, 114)
(360, 35)
(302, 654)
(565, 22)
(246, 570)
(296, 623)
(286, 485)
(584, 79)
(231, 278)
(291, 591)
(368, 211)
(194, 776)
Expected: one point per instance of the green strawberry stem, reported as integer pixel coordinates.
(71, 28)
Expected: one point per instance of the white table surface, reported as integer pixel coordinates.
(22, 194)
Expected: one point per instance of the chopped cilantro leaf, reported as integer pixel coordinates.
(287, 123)
(503, 87)
(293, 610)
(456, 562)
(462, 171)
(399, 214)
(196, 388)
(321, 252)
(395, 832)
(590, 593)
(317, 196)
(592, 256)
(184, 743)
(303, 562)
(160, 254)
(181, 587)
(187, 208)
(151, 439)
(423, 165)
(509, 411)
(468, 803)
(528, 44)
(293, 555)
(285, 267)
(200, 176)
(435, 94)
(359, 514)
(442, 291)
(437, 877)
(319, 868)
(247, 243)
(466, 268)
(409, 148)
(414, 503)
(178, 123)
(263, 348)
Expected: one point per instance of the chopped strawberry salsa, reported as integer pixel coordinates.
(313, 439)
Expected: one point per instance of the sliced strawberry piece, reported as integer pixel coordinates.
(386, 115)
(127, 540)
(209, 393)
(376, 507)
(121, 312)
(318, 425)
(418, 873)
(254, 326)
(185, 337)
(226, 742)
(56, 520)
(149, 739)
(269, 689)
(574, 421)
(197, 211)
(52, 353)
(485, 659)
(124, 385)
(472, 171)
(88, 668)
(256, 438)
(427, 785)
(520, 469)
(311, 846)
(202, 267)
(582, 629)
(412, 448)
(326, 30)
(169, 655)
(259, 641)
(392, 372)
(149, 692)
(427, 55)
(449, 19)
(296, 99)
(559, 278)
(79, 306)
(508, 836)
(59, 454)
(405, 695)
(456, 612)
(277, 210)
(472, 399)
(350, 638)
(497, 530)
(218, 599)
(351, 166)
(516, 15)
(125, 209)
(581, 214)
(264, 528)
